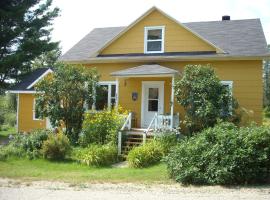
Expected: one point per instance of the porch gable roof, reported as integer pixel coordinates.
(146, 70)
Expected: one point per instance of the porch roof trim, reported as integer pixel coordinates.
(146, 70)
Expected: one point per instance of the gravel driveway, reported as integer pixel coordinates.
(18, 190)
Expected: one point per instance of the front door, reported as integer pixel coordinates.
(152, 101)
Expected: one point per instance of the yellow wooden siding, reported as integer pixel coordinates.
(25, 114)
(177, 38)
(246, 77)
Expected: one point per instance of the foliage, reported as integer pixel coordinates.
(167, 140)
(25, 34)
(145, 155)
(7, 113)
(203, 97)
(266, 81)
(47, 59)
(224, 154)
(10, 119)
(32, 143)
(56, 147)
(11, 151)
(98, 155)
(63, 97)
(267, 112)
(101, 127)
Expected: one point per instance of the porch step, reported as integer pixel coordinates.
(134, 139)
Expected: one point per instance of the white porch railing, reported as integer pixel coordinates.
(126, 126)
(163, 122)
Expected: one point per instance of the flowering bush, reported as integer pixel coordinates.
(102, 127)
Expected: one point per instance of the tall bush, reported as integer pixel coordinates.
(63, 95)
(101, 127)
(203, 97)
(224, 154)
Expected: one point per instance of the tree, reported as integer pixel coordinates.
(47, 59)
(203, 97)
(24, 35)
(62, 96)
(266, 81)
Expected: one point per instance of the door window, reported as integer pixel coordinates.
(153, 99)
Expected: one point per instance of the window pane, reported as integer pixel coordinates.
(154, 34)
(153, 93)
(102, 97)
(113, 88)
(112, 102)
(227, 102)
(153, 105)
(154, 46)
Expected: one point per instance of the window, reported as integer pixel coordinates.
(105, 95)
(228, 85)
(154, 39)
(36, 114)
(153, 99)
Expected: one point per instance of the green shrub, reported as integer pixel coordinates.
(11, 151)
(56, 147)
(204, 98)
(101, 127)
(98, 155)
(267, 112)
(32, 142)
(167, 140)
(224, 154)
(10, 119)
(145, 155)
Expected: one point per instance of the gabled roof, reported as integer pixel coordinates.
(145, 70)
(238, 38)
(166, 15)
(26, 85)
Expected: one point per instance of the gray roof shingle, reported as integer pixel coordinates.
(28, 80)
(91, 43)
(235, 37)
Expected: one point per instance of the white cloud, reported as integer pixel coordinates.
(80, 17)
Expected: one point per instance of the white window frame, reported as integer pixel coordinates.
(34, 111)
(146, 29)
(109, 84)
(230, 84)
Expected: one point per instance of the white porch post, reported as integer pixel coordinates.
(17, 114)
(172, 102)
(117, 93)
(94, 97)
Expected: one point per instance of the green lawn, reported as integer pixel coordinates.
(5, 133)
(72, 172)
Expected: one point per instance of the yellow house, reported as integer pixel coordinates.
(138, 64)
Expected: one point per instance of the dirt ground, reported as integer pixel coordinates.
(42, 190)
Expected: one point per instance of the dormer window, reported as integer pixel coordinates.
(154, 39)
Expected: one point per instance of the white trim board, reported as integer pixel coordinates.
(39, 78)
(24, 92)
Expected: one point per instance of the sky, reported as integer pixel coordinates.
(79, 17)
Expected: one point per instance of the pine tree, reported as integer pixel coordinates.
(25, 29)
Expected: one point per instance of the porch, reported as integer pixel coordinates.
(147, 92)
